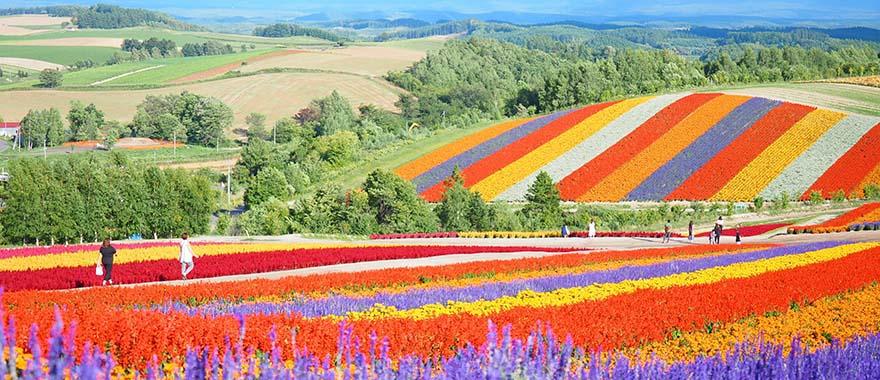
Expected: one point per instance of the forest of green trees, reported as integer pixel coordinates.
(479, 78)
(103, 16)
(90, 197)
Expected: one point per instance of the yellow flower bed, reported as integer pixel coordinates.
(752, 179)
(570, 296)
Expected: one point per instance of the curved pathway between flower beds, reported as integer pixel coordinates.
(586, 244)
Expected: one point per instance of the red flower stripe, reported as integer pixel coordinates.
(514, 151)
(631, 173)
(587, 176)
(414, 168)
(708, 180)
(851, 216)
(849, 170)
(225, 265)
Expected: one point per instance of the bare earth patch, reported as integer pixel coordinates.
(219, 165)
(361, 60)
(33, 20)
(73, 41)
(30, 63)
(218, 71)
(9, 30)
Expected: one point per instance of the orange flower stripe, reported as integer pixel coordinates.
(857, 168)
(498, 182)
(709, 179)
(873, 178)
(514, 151)
(749, 182)
(414, 168)
(587, 176)
(635, 170)
(843, 317)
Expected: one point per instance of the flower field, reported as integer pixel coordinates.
(865, 217)
(703, 146)
(702, 311)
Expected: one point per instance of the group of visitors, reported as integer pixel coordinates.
(591, 230)
(107, 253)
(714, 233)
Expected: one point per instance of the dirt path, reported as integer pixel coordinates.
(218, 71)
(100, 82)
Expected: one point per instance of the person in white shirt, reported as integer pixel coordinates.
(592, 229)
(186, 256)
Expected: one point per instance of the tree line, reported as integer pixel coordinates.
(89, 197)
(290, 30)
(185, 117)
(103, 16)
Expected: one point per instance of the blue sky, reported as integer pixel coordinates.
(803, 9)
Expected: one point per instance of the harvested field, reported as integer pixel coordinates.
(9, 30)
(218, 71)
(219, 165)
(362, 60)
(276, 95)
(872, 81)
(32, 64)
(835, 96)
(73, 41)
(31, 20)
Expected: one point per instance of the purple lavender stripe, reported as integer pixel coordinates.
(465, 159)
(672, 174)
(341, 305)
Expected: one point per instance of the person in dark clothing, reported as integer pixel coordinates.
(107, 253)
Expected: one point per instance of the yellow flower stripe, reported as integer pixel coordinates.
(842, 317)
(873, 178)
(873, 216)
(132, 255)
(752, 179)
(495, 184)
(422, 164)
(595, 292)
(628, 176)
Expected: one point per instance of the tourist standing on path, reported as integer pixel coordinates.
(107, 252)
(186, 256)
(564, 230)
(738, 237)
(592, 231)
(667, 230)
(719, 225)
(712, 236)
(691, 230)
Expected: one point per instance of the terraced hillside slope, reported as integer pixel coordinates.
(693, 146)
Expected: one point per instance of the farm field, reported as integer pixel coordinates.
(21, 25)
(363, 60)
(701, 146)
(276, 95)
(837, 96)
(658, 308)
(62, 55)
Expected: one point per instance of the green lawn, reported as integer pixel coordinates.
(180, 67)
(89, 76)
(64, 55)
(151, 156)
(10, 75)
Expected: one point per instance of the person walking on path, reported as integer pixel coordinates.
(667, 230)
(738, 237)
(712, 236)
(719, 225)
(691, 231)
(186, 256)
(107, 252)
(592, 229)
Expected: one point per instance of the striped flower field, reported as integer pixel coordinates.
(702, 146)
(691, 312)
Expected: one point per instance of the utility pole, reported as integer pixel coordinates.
(229, 184)
(174, 145)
